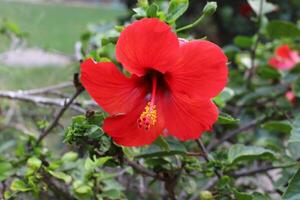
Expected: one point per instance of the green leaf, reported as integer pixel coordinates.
(227, 119)
(6, 169)
(85, 128)
(243, 41)
(7, 145)
(292, 191)
(81, 188)
(266, 6)
(34, 163)
(152, 10)
(296, 87)
(268, 72)
(176, 9)
(13, 27)
(227, 94)
(140, 12)
(69, 156)
(143, 3)
(246, 196)
(278, 126)
(282, 29)
(112, 194)
(61, 175)
(91, 165)
(242, 195)
(294, 140)
(19, 186)
(259, 196)
(224, 96)
(162, 143)
(239, 152)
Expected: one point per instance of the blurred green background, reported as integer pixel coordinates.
(53, 27)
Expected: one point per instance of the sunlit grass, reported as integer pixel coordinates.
(55, 26)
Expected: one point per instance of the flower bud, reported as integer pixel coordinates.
(210, 8)
(206, 195)
(143, 3)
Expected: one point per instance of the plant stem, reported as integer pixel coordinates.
(251, 72)
(79, 90)
(196, 23)
(233, 133)
(205, 155)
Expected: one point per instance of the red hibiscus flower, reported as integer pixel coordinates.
(170, 88)
(285, 58)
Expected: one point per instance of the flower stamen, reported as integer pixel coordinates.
(148, 117)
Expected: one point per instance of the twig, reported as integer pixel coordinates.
(205, 155)
(247, 172)
(233, 133)
(47, 89)
(194, 154)
(141, 169)
(79, 90)
(253, 171)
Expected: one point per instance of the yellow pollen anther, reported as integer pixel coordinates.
(148, 117)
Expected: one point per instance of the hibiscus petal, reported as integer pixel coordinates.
(145, 44)
(283, 51)
(283, 64)
(201, 72)
(113, 91)
(125, 131)
(186, 118)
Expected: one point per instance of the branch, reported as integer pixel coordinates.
(20, 96)
(3, 189)
(208, 186)
(67, 104)
(60, 190)
(254, 48)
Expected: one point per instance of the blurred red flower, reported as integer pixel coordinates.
(290, 96)
(245, 10)
(284, 58)
(170, 88)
